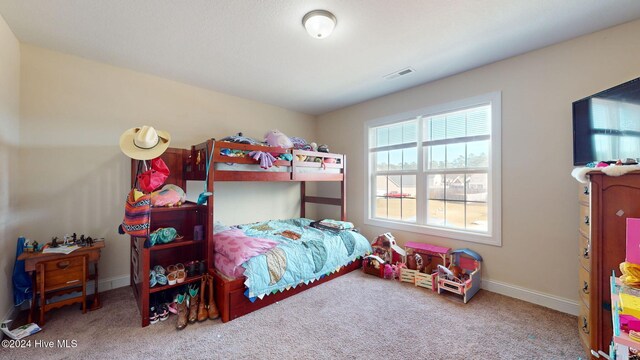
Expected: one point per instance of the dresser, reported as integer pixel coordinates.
(605, 204)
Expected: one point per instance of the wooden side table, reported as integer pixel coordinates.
(32, 259)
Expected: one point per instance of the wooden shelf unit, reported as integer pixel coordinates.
(183, 218)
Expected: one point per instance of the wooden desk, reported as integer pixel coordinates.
(32, 259)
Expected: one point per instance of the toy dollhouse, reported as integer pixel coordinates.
(463, 277)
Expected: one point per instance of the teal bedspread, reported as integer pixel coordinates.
(298, 260)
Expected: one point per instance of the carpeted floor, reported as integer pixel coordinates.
(354, 316)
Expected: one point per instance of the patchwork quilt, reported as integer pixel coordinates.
(302, 254)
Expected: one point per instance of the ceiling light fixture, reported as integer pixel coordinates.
(319, 23)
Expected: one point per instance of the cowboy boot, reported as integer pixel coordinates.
(213, 309)
(202, 310)
(193, 305)
(183, 311)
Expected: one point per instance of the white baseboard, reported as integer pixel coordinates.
(109, 283)
(553, 302)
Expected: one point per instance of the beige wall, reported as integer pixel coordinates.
(73, 177)
(9, 136)
(539, 206)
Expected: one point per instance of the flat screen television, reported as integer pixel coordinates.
(606, 125)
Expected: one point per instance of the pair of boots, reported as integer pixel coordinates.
(197, 309)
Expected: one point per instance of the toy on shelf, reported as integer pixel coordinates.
(463, 277)
(420, 269)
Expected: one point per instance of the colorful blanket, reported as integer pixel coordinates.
(304, 254)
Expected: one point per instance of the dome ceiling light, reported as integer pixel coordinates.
(319, 23)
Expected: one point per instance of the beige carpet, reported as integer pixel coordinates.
(354, 316)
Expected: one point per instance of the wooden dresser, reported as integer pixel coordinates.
(605, 204)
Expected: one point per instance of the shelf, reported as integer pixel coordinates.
(187, 206)
(188, 280)
(177, 243)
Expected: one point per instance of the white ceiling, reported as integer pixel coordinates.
(258, 49)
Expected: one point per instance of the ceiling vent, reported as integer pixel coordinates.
(399, 73)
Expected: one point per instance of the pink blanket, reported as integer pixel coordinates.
(226, 266)
(238, 247)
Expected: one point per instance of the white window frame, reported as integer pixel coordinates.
(493, 236)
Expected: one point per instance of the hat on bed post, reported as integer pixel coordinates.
(144, 143)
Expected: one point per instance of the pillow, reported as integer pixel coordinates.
(238, 247)
(219, 227)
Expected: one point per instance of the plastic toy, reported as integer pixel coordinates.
(468, 267)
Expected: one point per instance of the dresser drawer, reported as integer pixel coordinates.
(584, 285)
(583, 322)
(585, 220)
(584, 192)
(584, 251)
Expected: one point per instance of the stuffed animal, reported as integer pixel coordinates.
(277, 139)
(298, 142)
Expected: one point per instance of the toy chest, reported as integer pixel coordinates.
(428, 281)
(407, 275)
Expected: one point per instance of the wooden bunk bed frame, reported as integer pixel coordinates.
(229, 293)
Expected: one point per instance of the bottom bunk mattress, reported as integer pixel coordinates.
(276, 255)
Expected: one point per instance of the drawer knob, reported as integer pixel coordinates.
(585, 325)
(585, 253)
(586, 190)
(586, 220)
(585, 287)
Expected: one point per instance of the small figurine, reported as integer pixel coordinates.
(35, 246)
(89, 241)
(74, 237)
(82, 240)
(54, 242)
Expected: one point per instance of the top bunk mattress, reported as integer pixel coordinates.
(255, 167)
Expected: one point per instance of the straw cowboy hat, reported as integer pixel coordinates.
(144, 143)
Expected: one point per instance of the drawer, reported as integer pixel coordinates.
(584, 327)
(584, 285)
(584, 251)
(584, 192)
(585, 220)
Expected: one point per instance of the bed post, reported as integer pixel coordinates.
(303, 203)
(343, 190)
(210, 201)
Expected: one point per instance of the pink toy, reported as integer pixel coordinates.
(633, 240)
(277, 139)
(388, 271)
(628, 323)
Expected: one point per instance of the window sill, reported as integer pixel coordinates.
(440, 232)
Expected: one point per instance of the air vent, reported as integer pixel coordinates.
(397, 74)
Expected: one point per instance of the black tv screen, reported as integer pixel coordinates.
(606, 126)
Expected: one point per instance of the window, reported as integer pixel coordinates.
(437, 170)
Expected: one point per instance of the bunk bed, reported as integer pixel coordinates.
(230, 293)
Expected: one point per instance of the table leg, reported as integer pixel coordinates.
(34, 286)
(96, 294)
